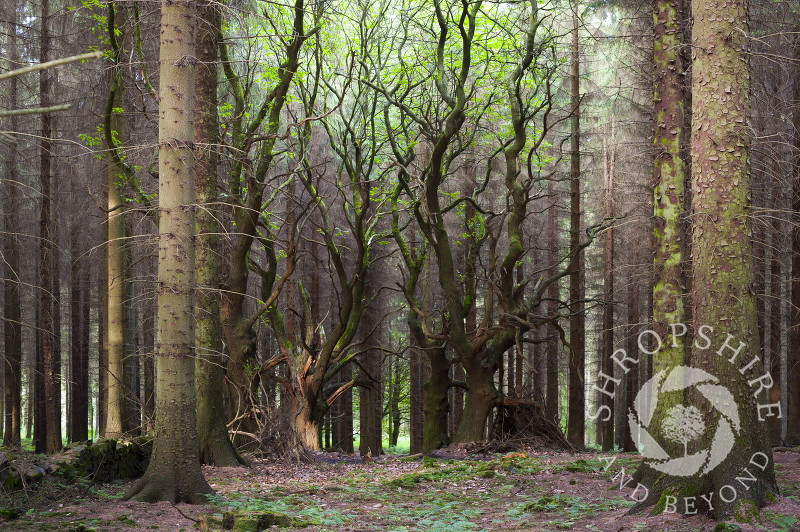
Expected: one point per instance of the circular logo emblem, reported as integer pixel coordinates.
(683, 425)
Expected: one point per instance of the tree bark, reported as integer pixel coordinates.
(78, 384)
(605, 428)
(552, 346)
(577, 321)
(12, 307)
(212, 431)
(723, 295)
(174, 472)
(115, 418)
(793, 364)
(50, 438)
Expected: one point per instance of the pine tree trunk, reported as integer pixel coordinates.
(174, 472)
(148, 346)
(793, 363)
(553, 352)
(49, 440)
(79, 411)
(723, 295)
(631, 346)
(12, 307)
(115, 249)
(606, 423)
(212, 432)
(55, 400)
(577, 338)
(395, 403)
(102, 338)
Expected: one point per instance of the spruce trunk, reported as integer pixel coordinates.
(174, 472)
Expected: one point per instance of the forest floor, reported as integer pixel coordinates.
(532, 491)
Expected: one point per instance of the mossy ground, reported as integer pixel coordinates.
(518, 491)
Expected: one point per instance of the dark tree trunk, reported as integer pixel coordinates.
(577, 340)
(102, 338)
(370, 397)
(552, 352)
(212, 431)
(79, 393)
(415, 399)
(793, 364)
(345, 437)
(12, 307)
(631, 347)
(605, 428)
(49, 437)
(723, 295)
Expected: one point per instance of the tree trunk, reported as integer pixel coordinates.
(793, 364)
(345, 437)
(115, 248)
(370, 397)
(49, 440)
(434, 428)
(174, 472)
(102, 337)
(553, 352)
(148, 347)
(577, 333)
(723, 296)
(670, 176)
(606, 423)
(631, 346)
(212, 431)
(12, 307)
(131, 370)
(478, 406)
(307, 424)
(79, 412)
(55, 399)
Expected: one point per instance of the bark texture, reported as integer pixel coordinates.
(723, 292)
(577, 322)
(12, 309)
(212, 431)
(174, 472)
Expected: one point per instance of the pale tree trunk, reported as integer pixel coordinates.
(174, 472)
(212, 432)
(116, 308)
(115, 419)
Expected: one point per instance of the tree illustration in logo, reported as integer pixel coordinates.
(683, 425)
